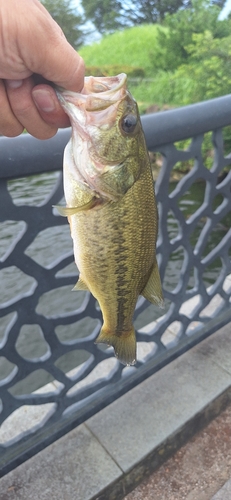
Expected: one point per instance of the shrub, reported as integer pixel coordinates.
(115, 69)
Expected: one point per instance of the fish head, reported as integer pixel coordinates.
(107, 143)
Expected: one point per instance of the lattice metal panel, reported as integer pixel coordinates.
(52, 375)
(202, 283)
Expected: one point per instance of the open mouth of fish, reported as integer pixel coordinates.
(90, 106)
(96, 114)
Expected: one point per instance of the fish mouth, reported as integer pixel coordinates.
(93, 113)
(96, 95)
(90, 105)
(106, 85)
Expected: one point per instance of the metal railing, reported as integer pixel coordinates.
(49, 363)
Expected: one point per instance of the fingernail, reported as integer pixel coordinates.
(43, 100)
(14, 84)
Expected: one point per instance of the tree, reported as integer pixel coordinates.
(68, 19)
(182, 26)
(209, 66)
(105, 14)
(110, 15)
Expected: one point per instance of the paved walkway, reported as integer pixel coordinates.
(197, 470)
(111, 453)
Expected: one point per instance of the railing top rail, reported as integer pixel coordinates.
(25, 155)
(160, 128)
(189, 121)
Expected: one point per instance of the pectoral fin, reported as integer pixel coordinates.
(153, 289)
(67, 211)
(80, 285)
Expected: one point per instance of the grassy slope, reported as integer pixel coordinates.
(139, 47)
(134, 46)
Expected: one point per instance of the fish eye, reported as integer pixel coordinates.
(128, 123)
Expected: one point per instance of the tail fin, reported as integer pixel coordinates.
(124, 345)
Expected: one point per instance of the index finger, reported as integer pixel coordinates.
(63, 66)
(50, 54)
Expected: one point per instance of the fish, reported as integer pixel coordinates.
(111, 206)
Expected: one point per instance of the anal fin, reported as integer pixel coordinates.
(80, 285)
(153, 289)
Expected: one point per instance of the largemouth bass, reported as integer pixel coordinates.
(111, 206)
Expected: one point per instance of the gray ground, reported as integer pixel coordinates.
(197, 471)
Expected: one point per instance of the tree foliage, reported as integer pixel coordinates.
(110, 15)
(181, 28)
(209, 66)
(68, 19)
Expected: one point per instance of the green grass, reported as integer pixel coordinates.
(164, 90)
(135, 46)
(138, 47)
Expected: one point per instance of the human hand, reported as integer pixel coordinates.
(33, 44)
